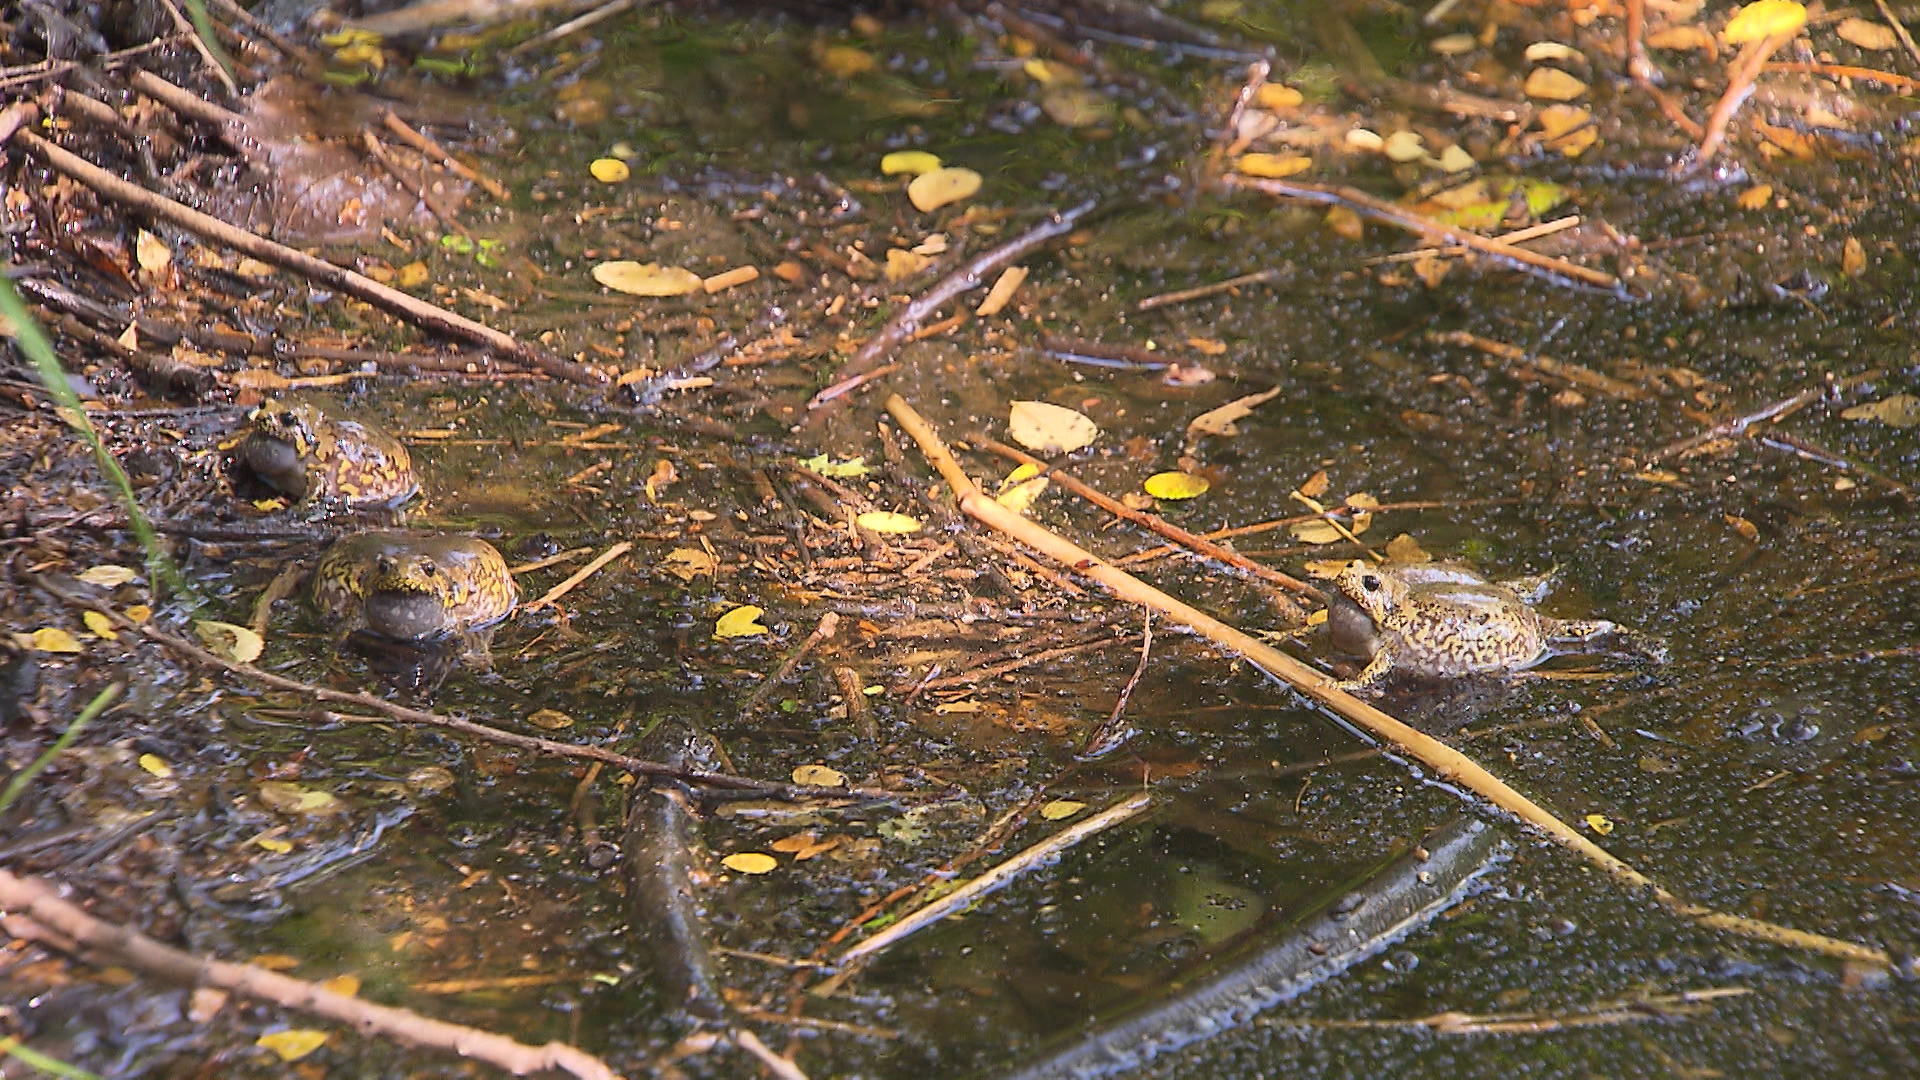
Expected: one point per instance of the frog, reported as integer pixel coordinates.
(1445, 620)
(398, 587)
(323, 461)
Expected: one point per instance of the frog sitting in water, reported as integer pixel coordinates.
(415, 589)
(312, 458)
(1444, 620)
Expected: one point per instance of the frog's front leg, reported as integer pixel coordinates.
(1533, 588)
(1369, 677)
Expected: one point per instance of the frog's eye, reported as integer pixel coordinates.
(1371, 583)
(427, 569)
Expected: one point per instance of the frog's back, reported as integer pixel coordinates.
(1461, 628)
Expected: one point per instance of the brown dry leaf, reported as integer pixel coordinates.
(1224, 420)
(291, 798)
(688, 563)
(1273, 166)
(804, 846)
(1048, 429)
(1552, 84)
(1558, 120)
(1405, 549)
(1900, 410)
(1748, 530)
(236, 643)
(549, 719)
(1317, 531)
(1431, 270)
(151, 252)
(664, 475)
(1316, 485)
(1853, 258)
(750, 862)
(819, 776)
(1866, 34)
(1795, 144)
(1277, 97)
(845, 61)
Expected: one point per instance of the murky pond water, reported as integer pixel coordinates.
(1768, 770)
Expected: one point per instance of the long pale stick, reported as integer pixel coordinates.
(1449, 765)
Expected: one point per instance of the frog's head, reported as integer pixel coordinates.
(1376, 591)
(283, 436)
(407, 596)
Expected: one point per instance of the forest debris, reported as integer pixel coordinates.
(1224, 420)
(1175, 486)
(646, 279)
(932, 190)
(1900, 410)
(1866, 34)
(742, 621)
(1002, 292)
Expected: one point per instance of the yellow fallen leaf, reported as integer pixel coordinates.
(1456, 159)
(1599, 823)
(101, 626)
(291, 798)
(1552, 84)
(107, 576)
(646, 279)
(549, 719)
(912, 162)
(1454, 44)
(688, 563)
(1404, 549)
(1404, 146)
(903, 264)
(1224, 420)
(151, 252)
(412, 275)
(1061, 809)
(294, 1043)
(1052, 72)
(156, 765)
(846, 61)
(1900, 410)
(1558, 120)
(750, 862)
(139, 613)
(1076, 106)
(819, 776)
(1853, 262)
(965, 705)
(1764, 19)
(1678, 38)
(932, 190)
(1274, 166)
(52, 639)
(1021, 487)
(886, 521)
(609, 170)
(1748, 530)
(1277, 97)
(1866, 35)
(1346, 223)
(1755, 197)
(344, 985)
(1048, 429)
(237, 643)
(1317, 531)
(1174, 486)
(740, 622)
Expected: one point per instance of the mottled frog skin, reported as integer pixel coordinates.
(312, 458)
(411, 588)
(1443, 620)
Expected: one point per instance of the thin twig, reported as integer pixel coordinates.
(972, 275)
(1899, 29)
(1201, 292)
(1545, 365)
(407, 307)
(1739, 87)
(1727, 429)
(822, 632)
(418, 187)
(554, 594)
(573, 26)
(1115, 730)
(33, 907)
(1449, 764)
(201, 46)
(1362, 202)
(422, 142)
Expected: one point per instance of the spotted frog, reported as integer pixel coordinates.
(1444, 620)
(413, 588)
(313, 458)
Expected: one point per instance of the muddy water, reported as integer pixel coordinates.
(1768, 770)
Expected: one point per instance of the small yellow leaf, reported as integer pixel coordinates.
(1317, 531)
(886, 521)
(1456, 159)
(902, 264)
(609, 170)
(1277, 97)
(1174, 486)
(274, 844)
(750, 862)
(819, 776)
(237, 643)
(52, 639)
(1853, 257)
(1048, 429)
(275, 962)
(1677, 38)
(1552, 84)
(344, 985)
(1404, 549)
(1748, 530)
(151, 252)
(1316, 485)
(1900, 410)
(1274, 166)
(291, 798)
(1061, 809)
(549, 719)
(1866, 35)
(1599, 823)
(913, 162)
(1021, 487)
(107, 576)
(740, 622)
(933, 190)
(156, 765)
(1360, 500)
(845, 61)
(139, 613)
(1346, 223)
(646, 279)
(965, 705)
(1404, 146)
(1454, 44)
(1764, 19)
(412, 275)
(1051, 72)
(1755, 197)
(827, 466)
(101, 626)
(292, 1044)
(1076, 106)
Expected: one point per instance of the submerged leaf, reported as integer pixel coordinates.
(1764, 19)
(1274, 166)
(933, 190)
(1900, 410)
(236, 643)
(50, 639)
(750, 862)
(1048, 429)
(294, 1043)
(646, 279)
